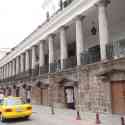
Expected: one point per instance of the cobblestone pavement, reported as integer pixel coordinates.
(42, 116)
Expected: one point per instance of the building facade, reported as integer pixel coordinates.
(76, 59)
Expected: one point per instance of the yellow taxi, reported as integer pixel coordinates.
(14, 107)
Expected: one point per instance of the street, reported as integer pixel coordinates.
(42, 116)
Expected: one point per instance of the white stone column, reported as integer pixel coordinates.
(63, 46)
(51, 51)
(7, 70)
(2, 72)
(33, 57)
(22, 63)
(11, 68)
(103, 27)
(17, 65)
(41, 54)
(14, 67)
(27, 61)
(79, 38)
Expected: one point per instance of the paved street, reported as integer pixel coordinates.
(42, 116)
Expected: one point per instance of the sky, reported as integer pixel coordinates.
(18, 18)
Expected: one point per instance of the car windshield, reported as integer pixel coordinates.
(13, 101)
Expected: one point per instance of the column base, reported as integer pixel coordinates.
(33, 72)
(69, 63)
(52, 67)
(44, 69)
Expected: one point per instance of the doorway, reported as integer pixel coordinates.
(118, 96)
(17, 91)
(44, 96)
(69, 97)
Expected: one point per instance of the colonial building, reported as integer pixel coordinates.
(76, 59)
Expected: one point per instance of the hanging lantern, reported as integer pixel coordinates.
(14, 86)
(24, 86)
(93, 29)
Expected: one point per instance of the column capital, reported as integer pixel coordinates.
(17, 57)
(42, 41)
(63, 27)
(80, 17)
(22, 54)
(103, 3)
(52, 35)
(27, 50)
(34, 46)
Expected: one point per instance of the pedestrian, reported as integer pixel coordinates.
(28, 96)
(1, 96)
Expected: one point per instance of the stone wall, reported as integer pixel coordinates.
(94, 93)
(54, 92)
(95, 85)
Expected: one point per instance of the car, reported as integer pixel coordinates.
(14, 107)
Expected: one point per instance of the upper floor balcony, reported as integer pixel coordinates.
(77, 17)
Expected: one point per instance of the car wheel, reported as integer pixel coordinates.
(27, 117)
(2, 118)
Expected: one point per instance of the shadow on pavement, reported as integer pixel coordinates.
(17, 120)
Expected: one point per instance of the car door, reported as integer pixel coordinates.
(1, 106)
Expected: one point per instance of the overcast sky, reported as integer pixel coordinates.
(18, 18)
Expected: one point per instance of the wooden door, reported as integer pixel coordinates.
(36, 95)
(17, 91)
(45, 96)
(118, 97)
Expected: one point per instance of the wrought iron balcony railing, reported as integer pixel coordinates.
(67, 63)
(88, 57)
(115, 49)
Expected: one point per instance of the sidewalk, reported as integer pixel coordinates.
(68, 117)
